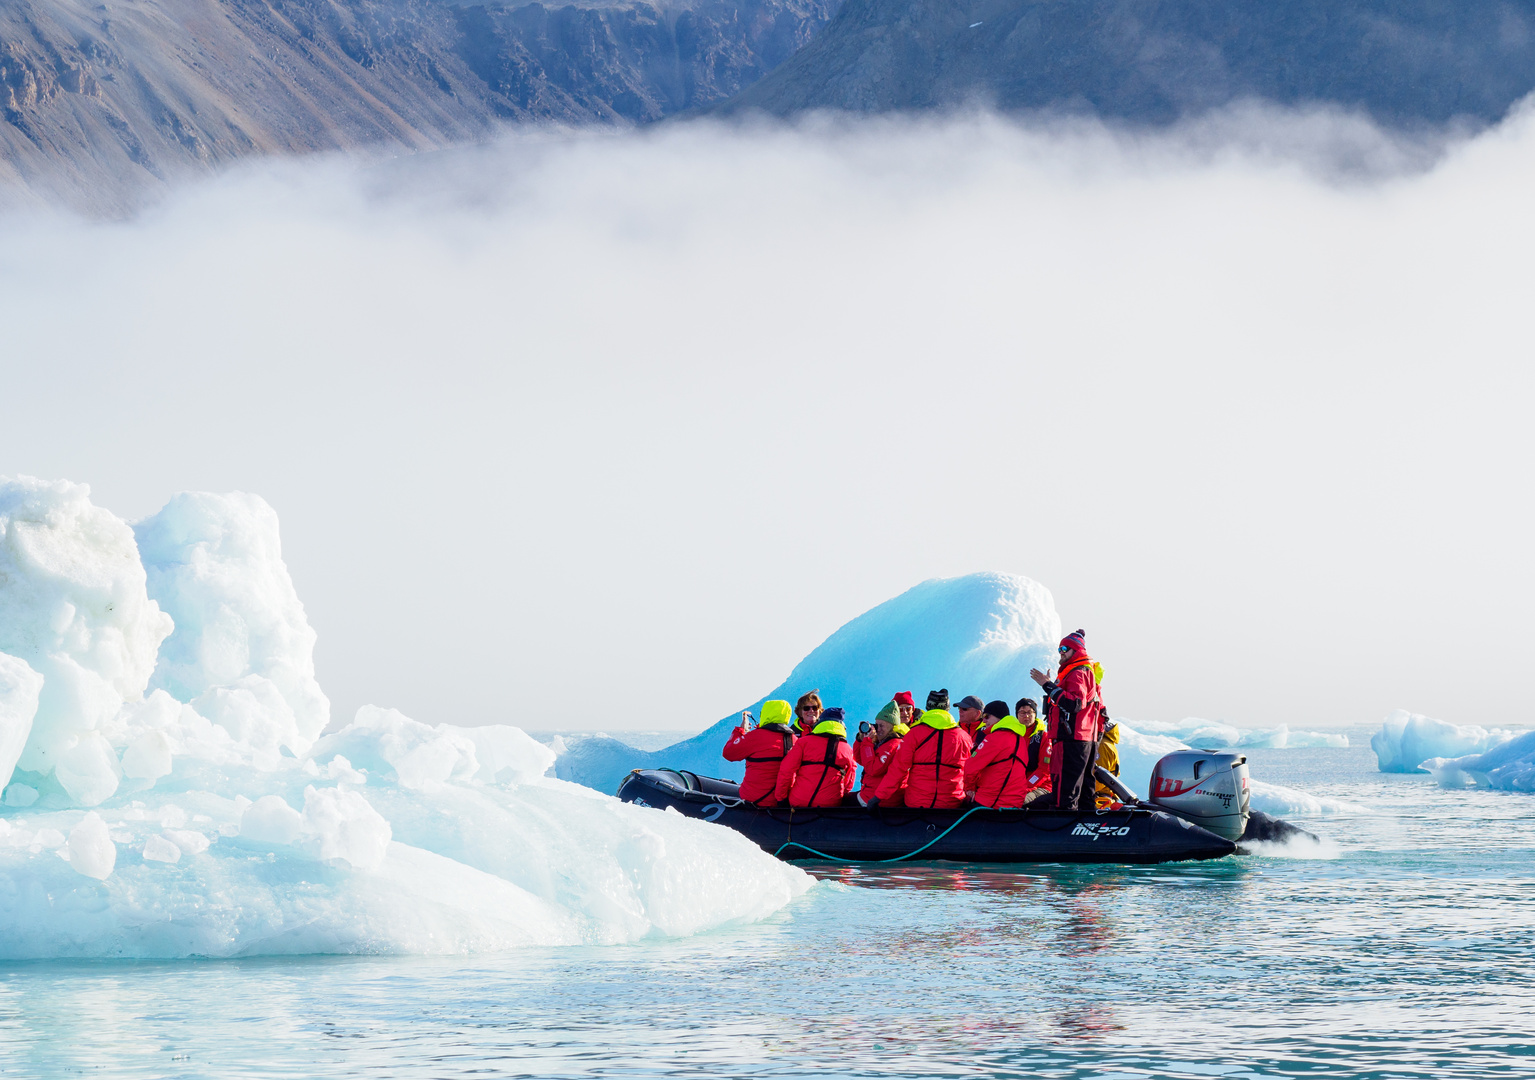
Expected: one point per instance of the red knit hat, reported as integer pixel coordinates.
(905, 698)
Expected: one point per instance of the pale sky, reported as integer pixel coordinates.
(609, 431)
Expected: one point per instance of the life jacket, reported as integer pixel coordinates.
(818, 770)
(930, 763)
(998, 772)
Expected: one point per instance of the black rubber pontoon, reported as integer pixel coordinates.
(976, 835)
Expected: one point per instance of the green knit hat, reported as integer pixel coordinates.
(890, 713)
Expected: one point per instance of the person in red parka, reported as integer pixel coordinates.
(998, 773)
(930, 763)
(807, 713)
(972, 717)
(1072, 716)
(819, 768)
(763, 749)
(875, 751)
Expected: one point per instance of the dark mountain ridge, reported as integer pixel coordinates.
(1405, 62)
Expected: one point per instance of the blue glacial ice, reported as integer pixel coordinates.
(168, 791)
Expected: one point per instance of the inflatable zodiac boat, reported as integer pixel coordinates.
(1199, 810)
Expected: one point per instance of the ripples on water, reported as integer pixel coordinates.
(1411, 953)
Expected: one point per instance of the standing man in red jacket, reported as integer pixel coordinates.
(1072, 713)
(763, 749)
(819, 768)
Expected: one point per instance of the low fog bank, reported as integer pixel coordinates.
(608, 430)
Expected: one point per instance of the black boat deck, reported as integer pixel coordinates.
(855, 834)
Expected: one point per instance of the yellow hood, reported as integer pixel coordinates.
(938, 718)
(777, 712)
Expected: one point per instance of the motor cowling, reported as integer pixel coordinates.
(1207, 787)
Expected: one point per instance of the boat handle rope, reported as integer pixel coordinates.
(898, 858)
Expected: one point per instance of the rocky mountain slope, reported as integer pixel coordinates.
(100, 101)
(1404, 61)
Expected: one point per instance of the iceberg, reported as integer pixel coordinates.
(978, 634)
(1406, 740)
(1508, 766)
(168, 792)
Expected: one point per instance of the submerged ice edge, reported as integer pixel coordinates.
(167, 794)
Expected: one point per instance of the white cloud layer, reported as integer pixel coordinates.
(610, 429)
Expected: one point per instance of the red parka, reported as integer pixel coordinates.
(930, 763)
(819, 769)
(763, 750)
(875, 761)
(998, 773)
(1074, 710)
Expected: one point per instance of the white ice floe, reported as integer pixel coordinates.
(1407, 740)
(221, 827)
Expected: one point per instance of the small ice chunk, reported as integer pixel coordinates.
(90, 847)
(172, 816)
(348, 827)
(382, 741)
(159, 849)
(20, 795)
(253, 710)
(190, 841)
(340, 769)
(508, 754)
(148, 757)
(429, 763)
(87, 770)
(270, 820)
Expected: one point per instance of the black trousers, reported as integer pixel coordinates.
(1078, 790)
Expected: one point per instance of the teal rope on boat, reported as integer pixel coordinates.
(898, 858)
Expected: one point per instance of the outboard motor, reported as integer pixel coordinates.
(1207, 787)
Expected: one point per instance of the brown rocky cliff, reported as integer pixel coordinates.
(103, 102)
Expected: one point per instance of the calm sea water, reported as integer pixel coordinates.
(1410, 953)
